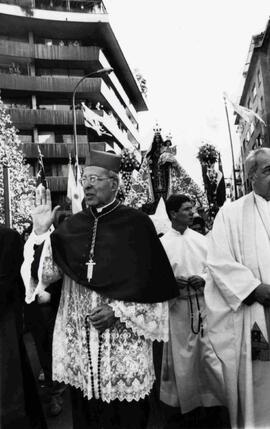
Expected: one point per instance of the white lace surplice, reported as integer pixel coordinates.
(127, 371)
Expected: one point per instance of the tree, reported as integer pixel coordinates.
(22, 184)
(184, 184)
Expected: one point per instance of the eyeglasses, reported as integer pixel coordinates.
(93, 179)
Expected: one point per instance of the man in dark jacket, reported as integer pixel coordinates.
(19, 404)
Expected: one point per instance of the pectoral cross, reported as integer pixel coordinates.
(90, 266)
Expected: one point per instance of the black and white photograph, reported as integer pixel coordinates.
(134, 214)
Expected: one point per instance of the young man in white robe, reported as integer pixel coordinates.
(238, 297)
(190, 369)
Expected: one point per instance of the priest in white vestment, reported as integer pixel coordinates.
(190, 370)
(237, 297)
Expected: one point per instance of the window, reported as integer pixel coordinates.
(48, 168)
(17, 102)
(46, 137)
(26, 136)
(249, 103)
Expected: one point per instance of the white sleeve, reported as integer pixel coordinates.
(48, 272)
(148, 320)
(234, 280)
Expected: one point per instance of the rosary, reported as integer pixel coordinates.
(200, 321)
(91, 263)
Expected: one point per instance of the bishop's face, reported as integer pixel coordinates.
(99, 188)
(261, 179)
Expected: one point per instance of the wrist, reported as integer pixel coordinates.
(40, 231)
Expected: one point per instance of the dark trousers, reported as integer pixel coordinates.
(96, 414)
(40, 321)
(199, 418)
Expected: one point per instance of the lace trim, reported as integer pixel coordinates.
(127, 371)
(147, 320)
(50, 271)
(120, 395)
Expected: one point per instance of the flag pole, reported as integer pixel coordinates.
(7, 202)
(230, 135)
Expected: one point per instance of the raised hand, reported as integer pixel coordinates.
(41, 211)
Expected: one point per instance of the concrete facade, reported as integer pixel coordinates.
(46, 47)
(255, 96)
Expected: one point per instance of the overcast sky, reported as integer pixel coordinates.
(190, 52)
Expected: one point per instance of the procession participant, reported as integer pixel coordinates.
(113, 303)
(19, 403)
(190, 369)
(238, 296)
(39, 320)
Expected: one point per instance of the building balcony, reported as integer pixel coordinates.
(59, 151)
(89, 57)
(81, 6)
(95, 89)
(57, 183)
(36, 84)
(52, 52)
(117, 107)
(31, 117)
(28, 118)
(53, 24)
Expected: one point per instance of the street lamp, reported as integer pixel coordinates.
(97, 73)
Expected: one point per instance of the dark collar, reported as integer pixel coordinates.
(106, 210)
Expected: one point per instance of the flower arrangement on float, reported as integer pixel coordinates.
(129, 163)
(207, 154)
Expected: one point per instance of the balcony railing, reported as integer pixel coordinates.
(39, 116)
(81, 6)
(33, 117)
(66, 53)
(53, 52)
(50, 84)
(57, 183)
(59, 150)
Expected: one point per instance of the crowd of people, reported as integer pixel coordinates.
(120, 315)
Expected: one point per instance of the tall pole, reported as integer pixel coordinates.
(7, 202)
(233, 163)
(97, 73)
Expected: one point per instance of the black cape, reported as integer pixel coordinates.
(131, 264)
